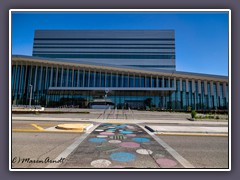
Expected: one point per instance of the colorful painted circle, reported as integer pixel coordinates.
(118, 167)
(110, 127)
(126, 132)
(122, 156)
(101, 163)
(107, 133)
(144, 151)
(142, 140)
(99, 130)
(97, 140)
(130, 135)
(110, 130)
(166, 163)
(107, 124)
(131, 127)
(114, 141)
(122, 126)
(130, 144)
(102, 136)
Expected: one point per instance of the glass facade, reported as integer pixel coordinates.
(160, 91)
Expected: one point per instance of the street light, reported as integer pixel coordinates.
(30, 99)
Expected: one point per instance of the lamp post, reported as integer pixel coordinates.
(30, 99)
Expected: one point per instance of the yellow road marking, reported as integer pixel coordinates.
(47, 124)
(38, 127)
(190, 134)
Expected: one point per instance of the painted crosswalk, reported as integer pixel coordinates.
(117, 146)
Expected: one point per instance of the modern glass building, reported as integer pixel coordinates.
(135, 48)
(136, 67)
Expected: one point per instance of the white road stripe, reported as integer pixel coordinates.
(71, 148)
(174, 153)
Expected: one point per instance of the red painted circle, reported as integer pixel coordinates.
(166, 163)
(130, 144)
(106, 133)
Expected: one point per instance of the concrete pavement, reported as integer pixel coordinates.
(164, 126)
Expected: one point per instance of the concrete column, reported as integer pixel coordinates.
(73, 76)
(100, 80)
(61, 77)
(15, 76)
(205, 88)
(218, 89)
(20, 80)
(111, 80)
(51, 76)
(193, 85)
(195, 99)
(46, 73)
(117, 79)
(40, 83)
(78, 85)
(25, 78)
(211, 88)
(151, 82)
(175, 83)
(199, 87)
(180, 84)
(157, 85)
(94, 78)
(67, 77)
(30, 81)
(224, 89)
(35, 79)
(169, 82)
(122, 79)
(145, 80)
(89, 77)
(134, 80)
(163, 82)
(83, 78)
(187, 85)
(56, 78)
(105, 79)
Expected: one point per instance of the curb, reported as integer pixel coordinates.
(190, 134)
(81, 127)
(150, 129)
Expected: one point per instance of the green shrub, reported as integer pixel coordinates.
(193, 114)
(217, 117)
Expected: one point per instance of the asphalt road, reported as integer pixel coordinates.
(35, 146)
(29, 147)
(201, 152)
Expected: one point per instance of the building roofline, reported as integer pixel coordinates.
(173, 73)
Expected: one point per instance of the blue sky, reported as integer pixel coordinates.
(201, 37)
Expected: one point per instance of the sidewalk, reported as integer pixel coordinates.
(189, 129)
(158, 126)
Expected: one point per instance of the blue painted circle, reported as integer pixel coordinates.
(122, 156)
(97, 140)
(137, 139)
(110, 130)
(107, 124)
(122, 126)
(126, 132)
